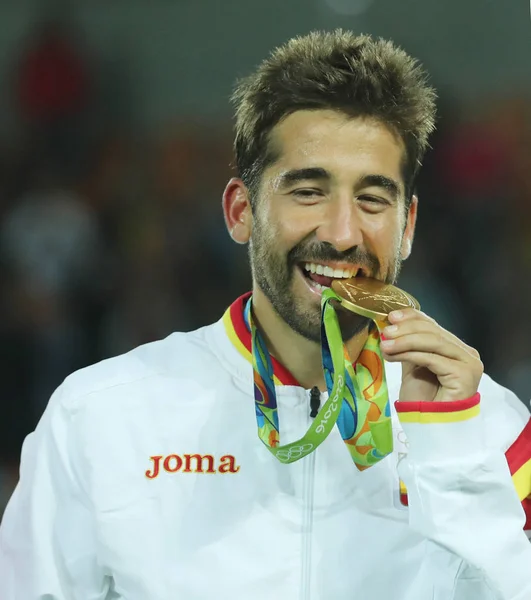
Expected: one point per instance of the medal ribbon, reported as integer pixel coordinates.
(358, 398)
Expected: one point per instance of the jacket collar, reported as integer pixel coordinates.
(239, 334)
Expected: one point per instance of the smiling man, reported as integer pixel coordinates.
(331, 204)
(186, 469)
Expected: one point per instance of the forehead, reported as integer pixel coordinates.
(341, 144)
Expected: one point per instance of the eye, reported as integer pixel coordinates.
(374, 203)
(307, 193)
(307, 196)
(373, 199)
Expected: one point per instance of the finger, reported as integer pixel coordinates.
(453, 375)
(443, 367)
(427, 341)
(406, 314)
(408, 327)
(412, 326)
(411, 320)
(437, 364)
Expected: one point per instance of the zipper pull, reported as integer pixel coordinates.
(315, 401)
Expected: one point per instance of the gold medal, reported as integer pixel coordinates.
(372, 298)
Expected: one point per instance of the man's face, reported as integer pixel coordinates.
(334, 199)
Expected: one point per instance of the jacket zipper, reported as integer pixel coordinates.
(308, 500)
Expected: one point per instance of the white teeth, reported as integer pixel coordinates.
(329, 272)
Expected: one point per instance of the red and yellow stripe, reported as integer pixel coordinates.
(404, 500)
(438, 412)
(240, 336)
(519, 461)
(518, 456)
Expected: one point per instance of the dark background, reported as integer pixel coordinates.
(115, 146)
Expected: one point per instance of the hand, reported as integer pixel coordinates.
(436, 365)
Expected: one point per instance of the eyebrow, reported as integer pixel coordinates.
(297, 175)
(294, 176)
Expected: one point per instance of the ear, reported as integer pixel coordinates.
(237, 211)
(409, 231)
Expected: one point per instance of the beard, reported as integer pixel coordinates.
(274, 273)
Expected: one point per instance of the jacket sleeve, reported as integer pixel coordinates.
(519, 460)
(461, 492)
(47, 538)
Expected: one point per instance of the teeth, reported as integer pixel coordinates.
(329, 272)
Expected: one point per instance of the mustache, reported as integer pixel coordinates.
(326, 252)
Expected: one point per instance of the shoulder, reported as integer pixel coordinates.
(173, 361)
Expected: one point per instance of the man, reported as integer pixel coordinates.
(146, 478)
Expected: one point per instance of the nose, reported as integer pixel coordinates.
(341, 227)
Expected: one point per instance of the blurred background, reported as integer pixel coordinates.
(115, 146)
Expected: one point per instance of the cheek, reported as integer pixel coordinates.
(380, 232)
(383, 237)
(293, 233)
(268, 238)
(291, 223)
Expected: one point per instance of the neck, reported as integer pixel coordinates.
(300, 356)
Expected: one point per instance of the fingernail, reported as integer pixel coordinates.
(390, 329)
(387, 343)
(396, 314)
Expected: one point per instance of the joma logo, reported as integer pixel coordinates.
(191, 463)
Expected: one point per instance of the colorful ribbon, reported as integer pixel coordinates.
(358, 398)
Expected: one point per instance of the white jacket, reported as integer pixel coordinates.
(113, 504)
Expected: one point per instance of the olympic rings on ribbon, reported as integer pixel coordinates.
(294, 452)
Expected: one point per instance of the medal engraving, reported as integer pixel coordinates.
(372, 298)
